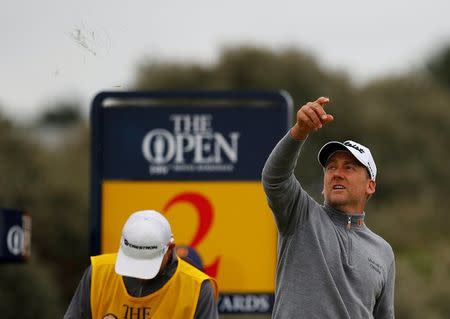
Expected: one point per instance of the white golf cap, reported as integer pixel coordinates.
(145, 239)
(359, 151)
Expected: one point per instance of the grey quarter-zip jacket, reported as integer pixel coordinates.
(329, 264)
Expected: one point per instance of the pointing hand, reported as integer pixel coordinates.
(311, 117)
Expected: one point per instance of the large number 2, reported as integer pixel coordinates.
(205, 213)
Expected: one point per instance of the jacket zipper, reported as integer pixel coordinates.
(349, 240)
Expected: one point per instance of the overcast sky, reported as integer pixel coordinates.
(55, 50)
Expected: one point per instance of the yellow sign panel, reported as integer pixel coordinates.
(228, 223)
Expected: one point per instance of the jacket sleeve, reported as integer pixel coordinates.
(283, 191)
(80, 306)
(384, 307)
(206, 305)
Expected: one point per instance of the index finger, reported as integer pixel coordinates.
(323, 100)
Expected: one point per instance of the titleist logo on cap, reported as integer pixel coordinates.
(354, 146)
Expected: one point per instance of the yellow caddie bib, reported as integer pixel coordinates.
(177, 299)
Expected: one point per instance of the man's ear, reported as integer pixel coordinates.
(371, 187)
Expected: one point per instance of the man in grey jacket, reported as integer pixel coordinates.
(330, 264)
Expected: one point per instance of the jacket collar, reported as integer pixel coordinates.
(340, 218)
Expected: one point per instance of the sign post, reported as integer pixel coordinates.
(196, 157)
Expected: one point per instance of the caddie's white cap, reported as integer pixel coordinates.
(145, 239)
(359, 151)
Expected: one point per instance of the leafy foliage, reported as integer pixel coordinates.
(404, 119)
(63, 114)
(406, 122)
(439, 66)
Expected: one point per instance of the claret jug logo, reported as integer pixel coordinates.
(191, 146)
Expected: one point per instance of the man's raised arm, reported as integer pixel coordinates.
(281, 186)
